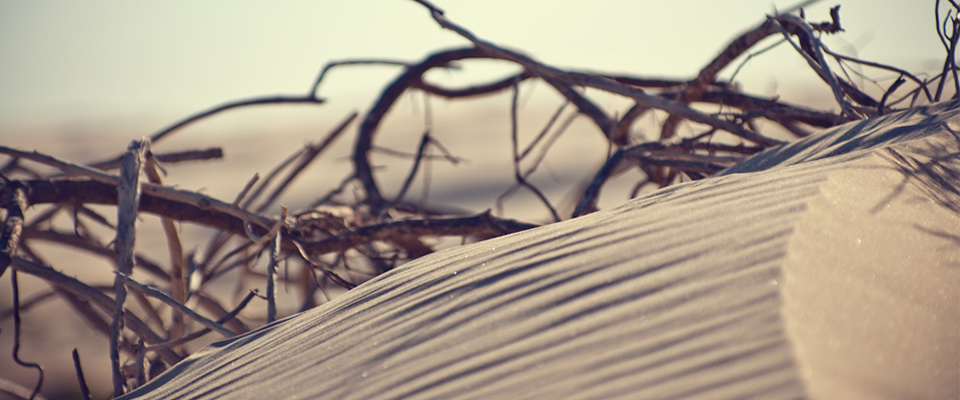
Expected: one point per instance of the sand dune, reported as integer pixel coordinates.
(827, 268)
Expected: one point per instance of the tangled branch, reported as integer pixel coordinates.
(339, 241)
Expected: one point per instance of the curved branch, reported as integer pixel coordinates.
(236, 104)
(368, 128)
(478, 90)
(581, 79)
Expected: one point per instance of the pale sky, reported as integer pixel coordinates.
(156, 62)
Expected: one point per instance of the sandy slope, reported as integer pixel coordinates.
(829, 268)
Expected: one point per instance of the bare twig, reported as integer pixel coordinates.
(814, 57)
(643, 152)
(545, 130)
(371, 122)
(891, 89)
(950, 38)
(93, 296)
(28, 304)
(246, 189)
(421, 152)
(84, 390)
(178, 268)
(327, 272)
(350, 237)
(149, 291)
(86, 243)
(521, 178)
(12, 228)
(128, 200)
(310, 153)
(213, 307)
(472, 91)
(167, 158)
(920, 83)
(708, 74)
(196, 335)
(181, 196)
(309, 99)
(140, 376)
(579, 79)
(272, 278)
(482, 225)
(16, 336)
(333, 64)
(273, 174)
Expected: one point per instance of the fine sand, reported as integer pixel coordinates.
(828, 268)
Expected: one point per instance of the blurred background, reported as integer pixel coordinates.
(80, 80)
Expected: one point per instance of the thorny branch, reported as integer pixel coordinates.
(340, 240)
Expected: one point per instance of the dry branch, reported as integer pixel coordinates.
(341, 240)
(16, 336)
(96, 297)
(149, 291)
(12, 229)
(309, 99)
(482, 226)
(128, 201)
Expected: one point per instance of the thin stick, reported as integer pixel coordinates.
(128, 200)
(152, 314)
(521, 178)
(16, 336)
(545, 130)
(815, 60)
(185, 339)
(471, 91)
(920, 83)
(167, 158)
(421, 151)
(332, 64)
(95, 297)
(481, 225)
(178, 267)
(149, 291)
(28, 304)
(12, 228)
(399, 154)
(886, 94)
(578, 79)
(309, 154)
(204, 302)
(141, 356)
(246, 188)
(326, 271)
(361, 161)
(950, 45)
(273, 174)
(84, 390)
(949, 64)
(272, 279)
(236, 104)
(194, 199)
(542, 154)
